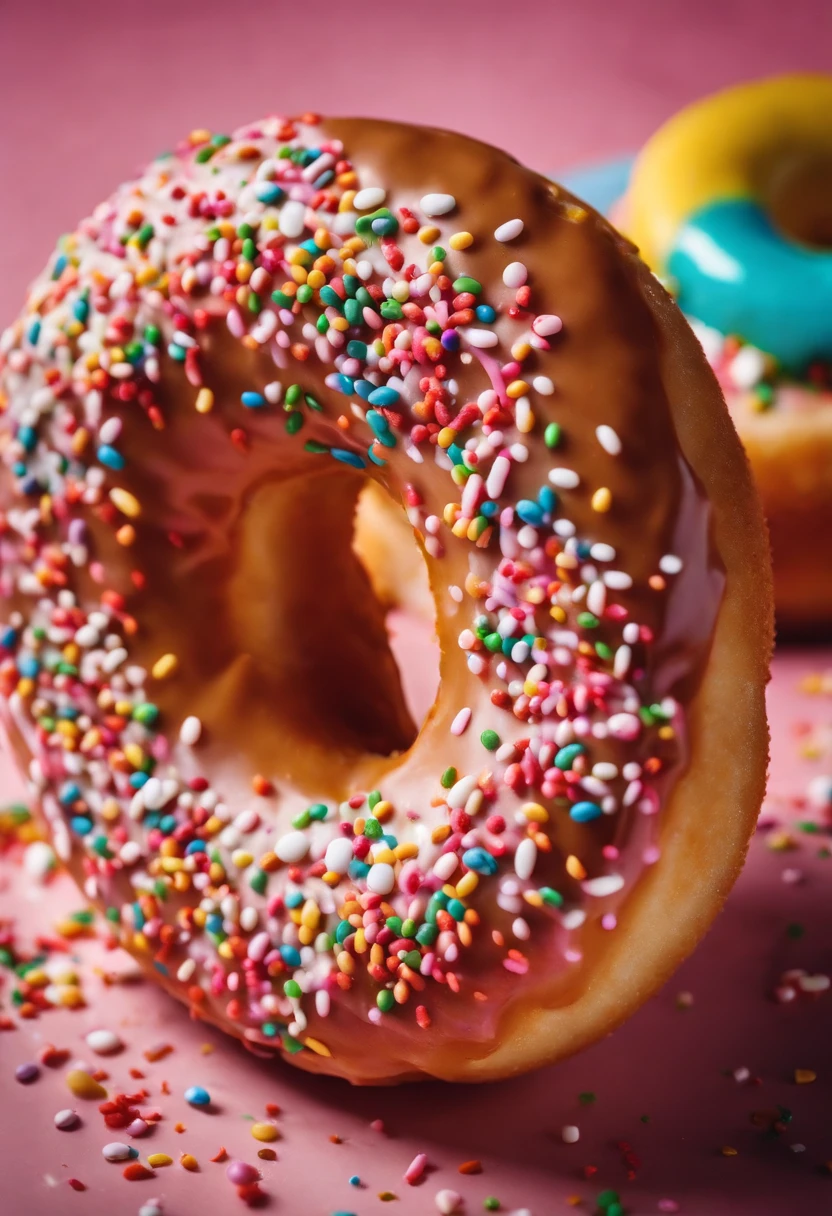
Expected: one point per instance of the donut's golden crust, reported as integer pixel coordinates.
(710, 813)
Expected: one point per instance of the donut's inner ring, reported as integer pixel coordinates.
(797, 194)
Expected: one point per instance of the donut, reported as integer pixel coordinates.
(195, 672)
(731, 202)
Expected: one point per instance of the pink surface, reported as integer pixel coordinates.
(89, 91)
(673, 1066)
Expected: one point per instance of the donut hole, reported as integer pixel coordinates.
(798, 191)
(311, 620)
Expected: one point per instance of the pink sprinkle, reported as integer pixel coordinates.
(416, 1169)
(518, 966)
(460, 722)
(668, 1205)
(546, 325)
(377, 1125)
(448, 1202)
(608, 921)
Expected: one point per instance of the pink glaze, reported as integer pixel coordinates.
(668, 1063)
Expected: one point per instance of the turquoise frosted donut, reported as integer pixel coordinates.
(715, 198)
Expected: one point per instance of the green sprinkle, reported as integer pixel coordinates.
(302, 820)
(294, 394)
(553, 898)
(385, 1000)
(448, 778)
(490, 740)
(292, 989)
(282, 300)
(391, 310)
(438, 254)
(491, 1204)
(467, 284)
(294, 422)
(259, 881)
(586, 1098)
(318, 811)
(204, 154)
(588, 620)
(373, 829)
(551, 436)
(373, 798)
(493, 642)
(606, 1198)
(305, 293)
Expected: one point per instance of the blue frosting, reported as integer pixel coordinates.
(738, 274)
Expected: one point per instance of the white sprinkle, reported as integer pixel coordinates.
(460, 722)
(670, 564)
(606, 884)
(381, 878)
(292, 847)
(508, 231)
(273, 392)
(186, 970)
(445, 865)
(520, 929)
(564, 479)
(459, 794)
(515, 274)
(437, 204)
(65, 1120)
(339, 854)
(496, 480)
(448, 1202)
(621, 662)
(570, 1134)
(747, 368)
(116, 1151)
(617, 580)
(291, 218)
(608, 440)
(190, 731)
(596, 599)
(479, 338)
(543, 385)
(624, 726)
(103, 1042)
(525, 857)
(546, 325)
(39, 861)
(369, 198)
(601, 552)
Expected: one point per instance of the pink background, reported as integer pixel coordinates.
(90, 89)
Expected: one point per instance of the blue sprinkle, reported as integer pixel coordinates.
(584, 548)
(195, 1095)
(167, 824)
(137, 780)
(489, 509)
(371, 456)
(585, 812)
(358, 869)
(28, 666)
(290, 956)
(160, 967)
(138, 917)
(548, 499)
(479, 860)
(455, 453)
(294, 899)
(326, 177)
(356, 349)
(269, 192)
(27, 437)
(381, 428)
(31, 486)
(529, 511)
(111, 457)
(195, 846)
(33, 332)
(383, 396)
(81, 310)
(8, 638)
(60, 266)
(345, 384)
(253, 401)
(311, 247)
(364, 389)
(355, 1180)
(81, 825)
(213, 922)
(177, 352)
(485, 313)
(69, 793)
(450, 340)
(351, 458)
(69, 712)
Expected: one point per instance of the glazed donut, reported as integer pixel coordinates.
(195, 671)
(732, 202)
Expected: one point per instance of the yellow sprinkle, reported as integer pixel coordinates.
(385, 855)
(204, 401)
(383, 810)
(133, 754)
(535, 813)
(126, 502)
(460, 528)
(159, 1159)
(517, 388)
(82, 1085)
(461, 240)
(242, 858)
(521, 351)
(126, 535)
(199, 136)
(404, 851)
(574, 868)
(318, 1047)
(165, 666)
(534, 898)
(467, 884)
(428, 234)
(602, 500)
(728, 1151)
(189, 1162)
(265, 1131)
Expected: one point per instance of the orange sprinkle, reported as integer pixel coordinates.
(220, 1155)
(135, 1171)
(471, 1167)
(189, 1162)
